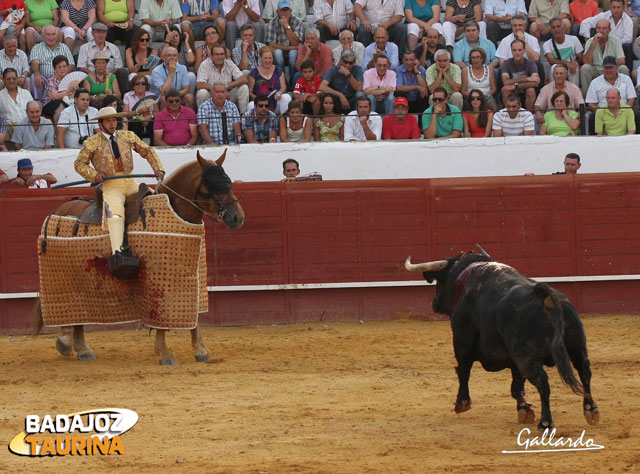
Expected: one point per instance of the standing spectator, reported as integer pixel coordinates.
(381, 45)
(198, 15)
(531, 45)
(137, 56)
(13, 99)
(176, 124)
(560, 121)
(118, 16)
(344, 81)
(362, 124)
(259, 124)
(88, 51)
(542, 11)
(12, 57)
(477, 115)
(559, 83)
(616, 118)
(245, 55)
(313, 50)
(376, 13)
(53, 101)
(284, 35)
(455, 17)
(171, 75)
(410, 83)
(141, 119)
(42, 55)
(268, 80)
(470, 41)
(400, 125)
(520, 76)
(420, 16)
(329, 126)
(78, 17)
(380, 84)
(27, 178)
(513, 120)
(563, 49)
(157, 15)
(35, 132)
(39, 14)
(219, 69)
(101, 82)
(480, 76)
(347, 43)
(498, 15)
(602, 45)
(219, 118)
(429, 44)
(332, 18)
(294, 125)
(447, 122)
(76, 122)
(580, 10)
(211, 38)
(238, 14)
(14, 20)
(307, 89)
(446, 75)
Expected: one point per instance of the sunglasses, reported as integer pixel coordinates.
(438, 99)
(347, 63)
(476, 97)
(143, 40)
(173, 101)
(140, 83)
(262, 106)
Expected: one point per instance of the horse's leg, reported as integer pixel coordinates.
(202, 353)
(64, 343)
(166, 356)
(84, 351)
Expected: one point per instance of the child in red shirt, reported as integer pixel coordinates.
(307, 89)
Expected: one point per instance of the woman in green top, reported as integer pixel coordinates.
(40, 13)
(118, 15)
(100, 82)
(560, 121)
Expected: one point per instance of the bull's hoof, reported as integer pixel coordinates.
(544, 425)
(462, 406)
(63, 348)
(526, 416)
(168, 361)
(202, 357)
(591, 414)
(86, 356)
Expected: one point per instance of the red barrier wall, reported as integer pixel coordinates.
(361, 231)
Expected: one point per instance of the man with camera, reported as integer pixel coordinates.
(77, 123)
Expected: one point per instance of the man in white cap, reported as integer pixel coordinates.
(110, 154)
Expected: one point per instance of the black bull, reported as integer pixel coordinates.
(507, 321)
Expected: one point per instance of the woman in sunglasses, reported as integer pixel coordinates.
(137, 56)
(477, 115)
(560, 121)
(141, 119)
(479, 76)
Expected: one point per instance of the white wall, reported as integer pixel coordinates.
(382, 160)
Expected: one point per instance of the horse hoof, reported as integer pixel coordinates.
(168, 361)
(463, 406)
(86, 356)
(592, 416)
(526, 416)
(63, 348)
(202, 357)
(544, 425)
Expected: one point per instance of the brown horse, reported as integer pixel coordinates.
(192, 192)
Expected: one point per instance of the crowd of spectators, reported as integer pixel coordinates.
(255, 71)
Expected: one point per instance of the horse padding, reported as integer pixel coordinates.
(168, 291)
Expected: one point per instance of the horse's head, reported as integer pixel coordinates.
(220, 198)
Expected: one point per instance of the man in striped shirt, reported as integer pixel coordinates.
(513, 120)
(42, 55)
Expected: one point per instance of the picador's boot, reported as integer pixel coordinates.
(122, 264)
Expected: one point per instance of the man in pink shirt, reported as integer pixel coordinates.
(379, 84)
(312, 49)
(175, 125)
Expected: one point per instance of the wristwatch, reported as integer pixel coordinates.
(288, 27)
(516, 84)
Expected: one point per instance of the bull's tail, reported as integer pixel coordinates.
(552, 304)
(38, 323)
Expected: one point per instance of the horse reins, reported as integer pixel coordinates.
(221, 205)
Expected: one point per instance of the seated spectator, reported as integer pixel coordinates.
(294, 125)
(88, 51)
(313, 50)
(400, 125)
(137, 56)
(176, 124)
(621, 25)
(219, 69)
(481, 77)
(13, 100)
(290, 169)
(513, 120)
(14, 21)
(446, 75)
(76, 122)
(410, 83)
(77, 22)
(180, 41)
(471, 41)
(3, 136)
(27, 179)
(579, 11)
(478, 117)
(344, 81)
(602, 45)
(420, 18)
(12, 57)
(520, 76)
(332, 18)
(362, 124)
(455, 17)
(211, 39)
(157, 16)
(329, 126)
(53, 103)
(268, 80)
(518, 28)
(307, 89)
(219, 118)
(447, 122)
(541, 12)
(284, 36)
(498, 15)
(238, 14)
(140, 120)
(270, 12)
(39, 14)
(100, 82)
(429, 44)
(389, 15)
(564, 49)
(347, 43)
(615, 119)
(171, 75)
(561, 122)
(118, 16)
(41, 58)
(380, 46)
(559, 83)
(245, 55)
(35, 132)
(197, 16)
(259, 124)
(379, 84)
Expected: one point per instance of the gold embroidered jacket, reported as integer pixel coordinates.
(97, 152)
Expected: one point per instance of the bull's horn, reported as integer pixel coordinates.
(482, 251)
(425, 267)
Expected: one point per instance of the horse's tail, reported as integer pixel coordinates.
(38, 323)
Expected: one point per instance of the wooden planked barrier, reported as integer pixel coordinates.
(349, 240)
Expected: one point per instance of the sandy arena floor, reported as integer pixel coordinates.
(330, 398)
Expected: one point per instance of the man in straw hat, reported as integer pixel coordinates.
(110, 154)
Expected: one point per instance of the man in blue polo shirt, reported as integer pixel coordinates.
(472, 40)
(411, 84)
(442, 120)
(171, 75)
